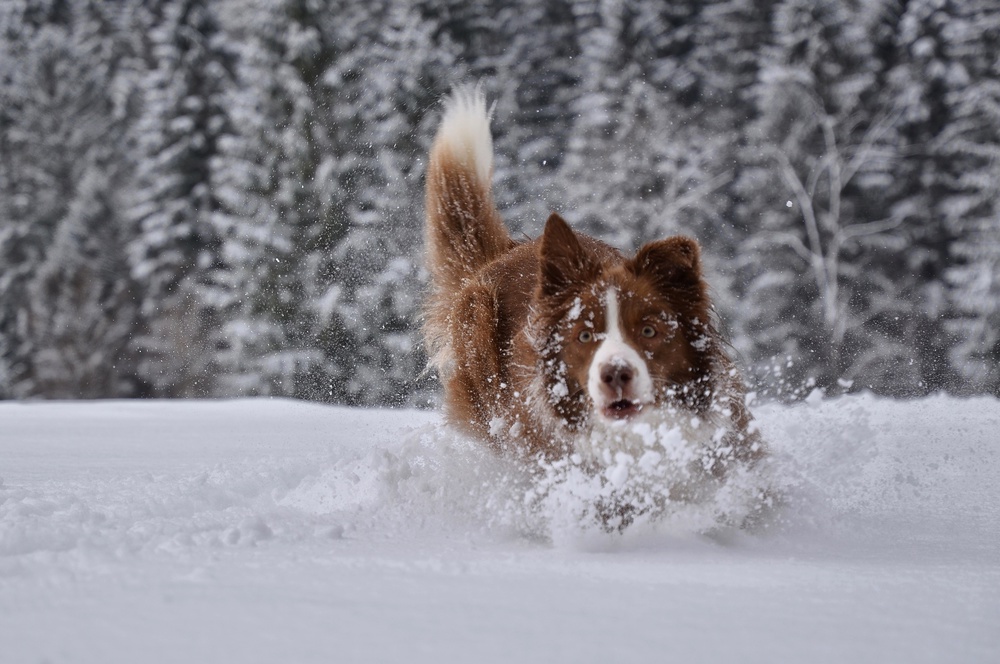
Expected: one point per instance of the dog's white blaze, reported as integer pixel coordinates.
(615, 349)
(613, 329)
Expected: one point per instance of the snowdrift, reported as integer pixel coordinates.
(271, 530)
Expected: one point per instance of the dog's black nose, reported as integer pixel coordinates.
(617, 375)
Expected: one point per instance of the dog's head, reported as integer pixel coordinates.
(619, 336)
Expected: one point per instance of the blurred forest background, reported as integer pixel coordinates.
(224, 197)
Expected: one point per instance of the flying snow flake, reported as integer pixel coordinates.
(575, 310)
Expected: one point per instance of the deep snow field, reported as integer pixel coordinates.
(278, 531)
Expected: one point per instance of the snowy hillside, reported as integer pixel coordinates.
(277, 531)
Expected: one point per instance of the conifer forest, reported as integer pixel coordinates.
(208, 198)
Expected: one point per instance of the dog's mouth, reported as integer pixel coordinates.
(622, 409)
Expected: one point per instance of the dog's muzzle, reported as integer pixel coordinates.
(617, 399)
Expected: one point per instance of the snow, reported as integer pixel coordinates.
(273, 530)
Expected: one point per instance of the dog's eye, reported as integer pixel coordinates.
(586, 336)
(649, 331)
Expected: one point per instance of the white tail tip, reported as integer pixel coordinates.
(465, 130)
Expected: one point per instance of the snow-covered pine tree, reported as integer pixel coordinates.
(633, 171)
(292, 46)
(264, 212)
(286, 51)
(28, 208)
(604, 72)
(911, 51)
(174, 243)
(936, 55)
(81, 311)
(532, 79)
(341, 285)
(376, 163)
(64, 308)
(970, 146)
(523, 53)
(724, 59)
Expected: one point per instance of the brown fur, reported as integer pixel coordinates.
(508, 352)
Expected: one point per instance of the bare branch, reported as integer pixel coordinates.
(872, 136)
(690, 197)
(870, 227)
(793, 242)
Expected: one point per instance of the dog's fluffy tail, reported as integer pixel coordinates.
(463, 228)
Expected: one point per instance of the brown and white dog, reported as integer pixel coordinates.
(555, 346)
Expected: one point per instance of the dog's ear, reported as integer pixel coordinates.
(564, 261)
(671, 263)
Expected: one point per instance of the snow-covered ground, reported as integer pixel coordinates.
(276, 531)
